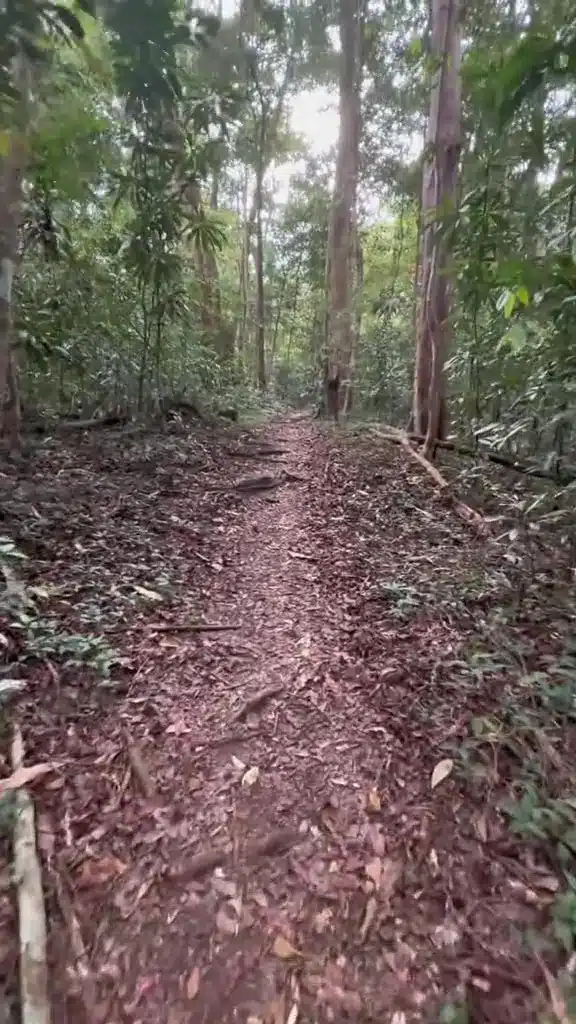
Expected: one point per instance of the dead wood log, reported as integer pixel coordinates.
(35, 1004)
(464, 511)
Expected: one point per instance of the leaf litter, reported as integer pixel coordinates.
(315, 859)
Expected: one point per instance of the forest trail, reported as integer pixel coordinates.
(249, 832)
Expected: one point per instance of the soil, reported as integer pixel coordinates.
(241, 824)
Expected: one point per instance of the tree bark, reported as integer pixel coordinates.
(12, 168)
(260, 298)
(439, 191)
(339, 263)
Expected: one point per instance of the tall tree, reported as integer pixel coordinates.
(340, 264)
(439, 184)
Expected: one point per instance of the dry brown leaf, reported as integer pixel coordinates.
(193, 983)
(481, 827)
(46, 838)
(98, 872)
(22, 776)
(250, 777)
(374, 871)
(369, 915)
(373, 802)
(556, 996)
(391, 875)
(293, 1015)
(284, 950)
(322, 920)
(441, 771)
(224, 886)
(225, 923)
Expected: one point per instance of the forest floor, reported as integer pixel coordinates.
(300, 816)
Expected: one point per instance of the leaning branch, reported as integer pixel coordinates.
(463, 510)
(31, 911)
(561, 475)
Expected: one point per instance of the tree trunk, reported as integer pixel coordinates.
(259, 254)
(439, 190)
(12, 168)
(339, 263)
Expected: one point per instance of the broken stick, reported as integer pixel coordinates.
(35, 1008)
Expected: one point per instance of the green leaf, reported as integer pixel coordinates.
(415, 48)
(514, 340)
(510, 305)
(69, 20)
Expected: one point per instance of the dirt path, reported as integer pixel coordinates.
(249, 834)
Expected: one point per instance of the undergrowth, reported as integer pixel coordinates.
(42, 636)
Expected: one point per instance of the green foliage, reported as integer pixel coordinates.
(43, 635)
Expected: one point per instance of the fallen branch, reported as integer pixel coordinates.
(562, 475)
(463, 510)
(35, 1005)
(175, 627)
(257, 701)
(258, 453)
(196, 627)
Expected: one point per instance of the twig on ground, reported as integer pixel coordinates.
(177, 627)
(35, 1005)
(256, 702)
(139, 767)
(303, 557)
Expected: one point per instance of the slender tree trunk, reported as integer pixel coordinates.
(12, 168)
(260, 297)
(439, 191)
(358, 279)
(339, 256)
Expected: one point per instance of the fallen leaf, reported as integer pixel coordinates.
(284, 950)
(446, 935)
(225, 923)
(238, 764)
(151, 595)
(441, 771)
(250, 777)
(556, 996)
(322, 920)
(224, 886)
(46, 837)
(98, 872)
(193, 983)
(369, 915)
(374, 871)
(293, 1015)
(373, 802)
(391, 875)
(10, 687)
(549, 883)
(481, 827)
(22, 776)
